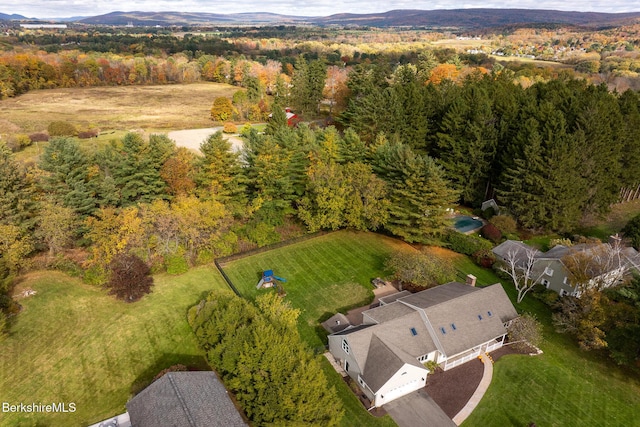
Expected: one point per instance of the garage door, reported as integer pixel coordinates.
(398, 392)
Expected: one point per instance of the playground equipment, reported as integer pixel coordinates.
(269, 280)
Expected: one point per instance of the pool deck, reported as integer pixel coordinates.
(471, 231)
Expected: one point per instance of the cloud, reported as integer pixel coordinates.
(67, 8)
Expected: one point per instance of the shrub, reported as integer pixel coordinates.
(229, 128)
(488, 213)
(505, 224)
(39, 137)
(204, 256)
(61, 129)
(245, 130)
(23, 141)
(86, 134)
(176, 264)
(484, 258)
(562, 241)
(632, 231)
(226, 244)
(129, 278)
(465, 244)
(262, 234)
(222, 109)
(491, 232)
(95, 275)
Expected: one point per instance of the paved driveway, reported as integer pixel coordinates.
(417, 409)
(192, 138)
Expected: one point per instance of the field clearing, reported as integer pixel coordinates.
(462, 44)
(537, 62)
(74, 343)
(564, 386)
(161, 108)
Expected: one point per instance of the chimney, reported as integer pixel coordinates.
(471, 280)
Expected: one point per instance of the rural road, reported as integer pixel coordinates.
(192, 138)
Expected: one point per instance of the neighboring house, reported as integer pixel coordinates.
(449, 324)
(292, 118)
(550, 271)
(189, 399)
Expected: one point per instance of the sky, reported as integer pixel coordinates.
(68, 8)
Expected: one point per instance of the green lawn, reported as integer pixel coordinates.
(563, 387)
(324, 274)
(74, 343)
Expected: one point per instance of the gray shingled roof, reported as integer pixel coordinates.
(478, 318)
(391, 298)
(438, 295)
(384, 361)
(387, 312)
(184, 399)
(512, 246)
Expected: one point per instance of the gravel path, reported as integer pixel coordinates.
(192, 138)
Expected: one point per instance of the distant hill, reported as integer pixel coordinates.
(188, 18)
(12, 17)
(454, 18)
(478, 18)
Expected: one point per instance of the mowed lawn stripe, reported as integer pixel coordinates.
(324, 274)
(74, 343)
(563, 387)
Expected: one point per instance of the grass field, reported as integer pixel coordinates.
(74, 343)
(324, 274)
(155, 108)
(562, 387)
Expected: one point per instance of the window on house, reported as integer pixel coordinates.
(345, 346)
(564, 280)
(479, 316)
(489, 313)
(563, 292)
(453, 326)
(548, 271)
(545, 283)
(442, 330)
(414, 332)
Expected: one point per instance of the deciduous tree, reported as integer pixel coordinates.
(130, 278)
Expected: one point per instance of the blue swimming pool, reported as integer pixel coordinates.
(464, 223)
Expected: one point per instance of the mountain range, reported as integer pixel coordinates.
(454, 18)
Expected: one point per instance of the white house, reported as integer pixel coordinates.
(450, 324)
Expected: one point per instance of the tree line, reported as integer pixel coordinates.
(549, 153)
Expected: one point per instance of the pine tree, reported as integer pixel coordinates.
(219, 172)
(419, 194)
(68, 180)
(17, 193)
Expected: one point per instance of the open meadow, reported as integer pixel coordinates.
(155, 108)
(74, 343)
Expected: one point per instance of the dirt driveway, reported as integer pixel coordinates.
(192, 138)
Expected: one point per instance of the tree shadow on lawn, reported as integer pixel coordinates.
(165, 361)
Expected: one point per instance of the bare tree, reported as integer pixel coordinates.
(520, 265)
(599, 266)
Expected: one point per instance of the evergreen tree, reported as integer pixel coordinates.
(219, 172)
(68, 179)
(17, 193)
(419, 194)
(467, 144)
(135, 165)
